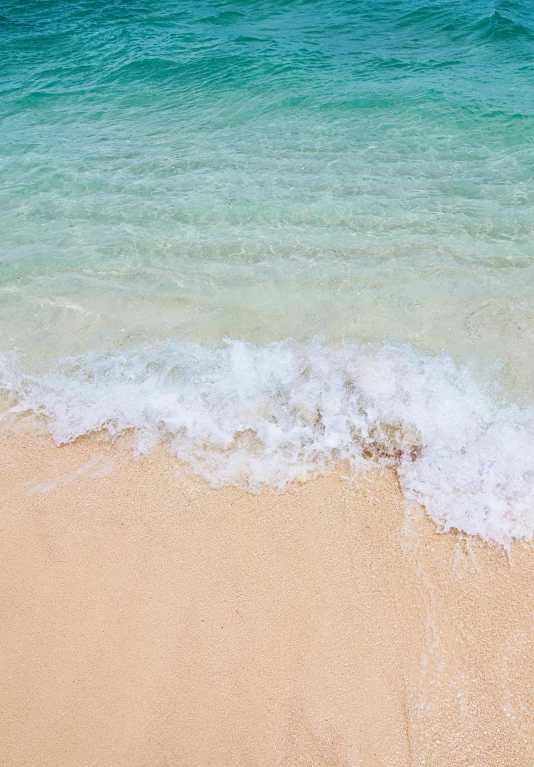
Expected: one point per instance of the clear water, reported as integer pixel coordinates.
(278, 235)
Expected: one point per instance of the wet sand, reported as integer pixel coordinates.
(148, 620)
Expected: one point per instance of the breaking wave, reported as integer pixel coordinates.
(259, 416)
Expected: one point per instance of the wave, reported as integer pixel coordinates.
(259, 416)
(498, 26)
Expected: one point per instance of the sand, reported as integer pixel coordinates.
(148, 620)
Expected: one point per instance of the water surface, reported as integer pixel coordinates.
(279, 235)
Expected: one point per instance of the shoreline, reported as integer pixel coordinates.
(151, 619)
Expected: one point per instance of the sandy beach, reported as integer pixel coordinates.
(266, 384)
(150, 620)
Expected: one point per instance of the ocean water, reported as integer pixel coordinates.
(278, 237)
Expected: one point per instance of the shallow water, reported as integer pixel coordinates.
(186, 184)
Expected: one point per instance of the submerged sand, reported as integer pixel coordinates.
(148, 620)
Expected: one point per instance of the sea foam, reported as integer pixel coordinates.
(258, 416)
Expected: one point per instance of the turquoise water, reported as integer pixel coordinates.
(278, 235)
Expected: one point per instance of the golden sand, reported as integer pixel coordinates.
(148, 620)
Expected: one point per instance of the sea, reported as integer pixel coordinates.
(278, 238)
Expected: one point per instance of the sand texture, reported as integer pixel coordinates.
(148, 620)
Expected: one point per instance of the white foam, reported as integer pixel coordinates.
(265, 415)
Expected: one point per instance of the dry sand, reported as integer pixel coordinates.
(148, 620)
